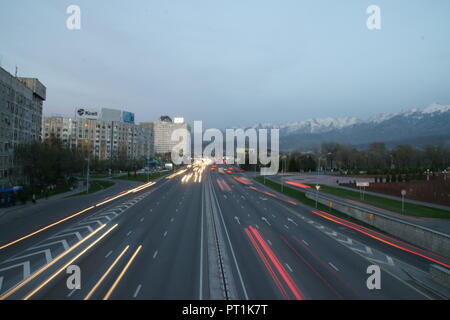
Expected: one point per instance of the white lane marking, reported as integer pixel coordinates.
(273, 216)
(225, 196)
(201, 250)
(71, 293)
(269, 242)
(137, 291)
(289, 267)
(333, 266)
(142, 219)
(108, 254)
(176, 210)
(1, 282)
(390, 261)
(155, 254)
(165, 234)
(151, 210)
(305, 242)
(129, 232)
(265, 219)
(237, 219)
(293, 222)
(286, 226)
(171, 219)
(257, 227)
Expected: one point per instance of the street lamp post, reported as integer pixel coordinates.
(87, 175)
(282, 180)
(317, 193)
(445, 174)
(403, 193)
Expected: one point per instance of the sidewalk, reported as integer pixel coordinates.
(29, 204)
(381, 195)
(440, 225)
(330, 180)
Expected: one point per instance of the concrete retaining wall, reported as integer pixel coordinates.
(440, 275)
(423, 237)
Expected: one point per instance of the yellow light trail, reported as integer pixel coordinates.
(34, 275)
(43, 284)
(173, 175)
(110, 291)
(47, 227)
(89, 295)
(120, 195)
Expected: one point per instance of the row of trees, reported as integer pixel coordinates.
(51, 163)
(377, 159)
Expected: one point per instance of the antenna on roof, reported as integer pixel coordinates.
(17, 69)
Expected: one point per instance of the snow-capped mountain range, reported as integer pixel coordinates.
(323, 125)
(311, 125)
(418, 127)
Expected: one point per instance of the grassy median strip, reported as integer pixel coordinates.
(388, 204)
(95, 185)
(143, 177)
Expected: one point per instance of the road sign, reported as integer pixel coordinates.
(403, 192)
(362, 184)
(317, 187)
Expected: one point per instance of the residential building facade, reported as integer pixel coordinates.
(101, 139)
(21, 102)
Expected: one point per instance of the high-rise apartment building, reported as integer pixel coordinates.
(163, 129)
(21, 101)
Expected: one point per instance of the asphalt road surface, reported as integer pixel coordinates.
(201, 234)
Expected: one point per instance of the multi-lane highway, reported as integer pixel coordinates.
(203, 234)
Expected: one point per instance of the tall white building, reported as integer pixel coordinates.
(163, 129)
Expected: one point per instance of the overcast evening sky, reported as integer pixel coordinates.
(232, 63)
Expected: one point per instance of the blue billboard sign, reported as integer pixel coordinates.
(128, 117)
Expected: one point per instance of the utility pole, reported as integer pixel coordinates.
(87, 175)
(282, 180)
(281, 175)
(264, 177)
